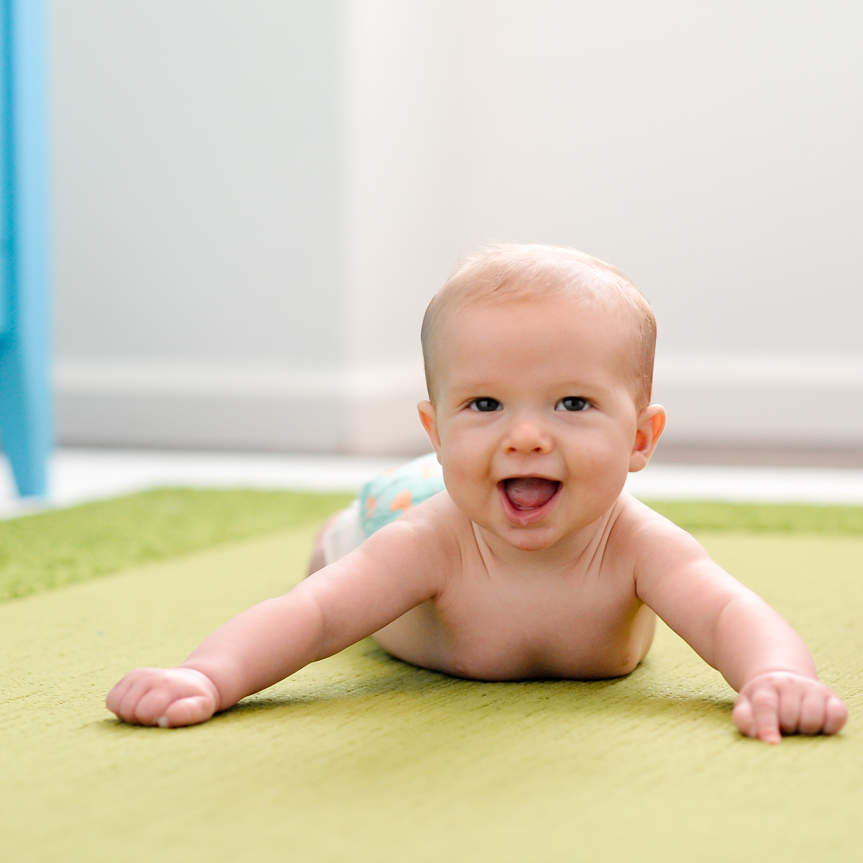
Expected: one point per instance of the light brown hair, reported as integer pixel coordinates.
(505, 272)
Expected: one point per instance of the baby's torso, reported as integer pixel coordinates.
(497, 622)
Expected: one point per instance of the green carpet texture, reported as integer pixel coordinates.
(56, 548)
(363, 758)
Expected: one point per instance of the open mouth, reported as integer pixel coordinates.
(528, 498)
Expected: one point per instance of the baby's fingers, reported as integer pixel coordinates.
(151, 706)
(743, 716)
(187, 711)
(822, 713)
(758, 715)
(147, 696)
(790, 702)
(790, 706)
(835, 715)
(123, 699)
(115, 696)
(812, 713)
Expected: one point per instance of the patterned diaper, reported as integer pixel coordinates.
(386, 497)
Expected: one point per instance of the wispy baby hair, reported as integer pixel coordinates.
(515, 272)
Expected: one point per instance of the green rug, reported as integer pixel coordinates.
(60, 547)
(361, 757)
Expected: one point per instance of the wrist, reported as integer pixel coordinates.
(206, 679)
(777, 674)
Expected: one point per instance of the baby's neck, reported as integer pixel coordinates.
(563, 555)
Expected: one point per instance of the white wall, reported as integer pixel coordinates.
(254, 202)
(710, 150)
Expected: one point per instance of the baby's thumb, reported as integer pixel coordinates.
(187, 711)
(744, 717)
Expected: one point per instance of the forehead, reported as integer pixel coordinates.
(535, 339)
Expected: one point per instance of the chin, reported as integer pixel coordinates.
(530, 540)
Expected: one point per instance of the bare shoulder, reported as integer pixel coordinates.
(437, 520)
(428, 538)
(673, 573)
(401, 565)
(649, 539)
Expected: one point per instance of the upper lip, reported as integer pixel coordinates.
(530, 476)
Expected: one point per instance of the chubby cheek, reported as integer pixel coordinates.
(467, 479)
(463, 481)
(602, 464)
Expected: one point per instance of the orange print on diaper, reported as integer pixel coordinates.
(401, 501)
(371, 503)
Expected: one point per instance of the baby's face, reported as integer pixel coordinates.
(534, 419)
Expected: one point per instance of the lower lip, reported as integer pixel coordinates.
(523, 517)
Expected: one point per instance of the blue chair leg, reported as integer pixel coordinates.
(25, 422)
(26, 426)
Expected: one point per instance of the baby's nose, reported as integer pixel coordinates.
(527, 436)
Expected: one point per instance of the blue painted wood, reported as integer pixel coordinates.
(5, 82)
(26, 421)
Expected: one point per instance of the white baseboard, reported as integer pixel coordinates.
(362, 410)
(762, 401)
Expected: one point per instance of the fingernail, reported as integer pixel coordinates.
(163, 722)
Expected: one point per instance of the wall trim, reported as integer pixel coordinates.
(366, 409)
(759, 371)
(124, 377)
(766, 401)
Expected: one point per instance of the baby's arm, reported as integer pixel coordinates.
(389, 574)
(736, 632)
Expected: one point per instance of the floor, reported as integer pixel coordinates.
(79, 475)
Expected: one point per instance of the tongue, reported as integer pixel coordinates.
(529, 492)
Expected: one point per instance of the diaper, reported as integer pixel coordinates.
(381, 501)
(343, 534)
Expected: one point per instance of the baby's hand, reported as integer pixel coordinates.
(164, 696)
(781, 701)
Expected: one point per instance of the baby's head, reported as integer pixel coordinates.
(522, 273)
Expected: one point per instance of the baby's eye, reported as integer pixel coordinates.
(485, 404)
(572, 403)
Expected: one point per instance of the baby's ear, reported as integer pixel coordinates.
(428, 417)
(651, 423)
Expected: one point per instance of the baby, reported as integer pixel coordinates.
(533, 563)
